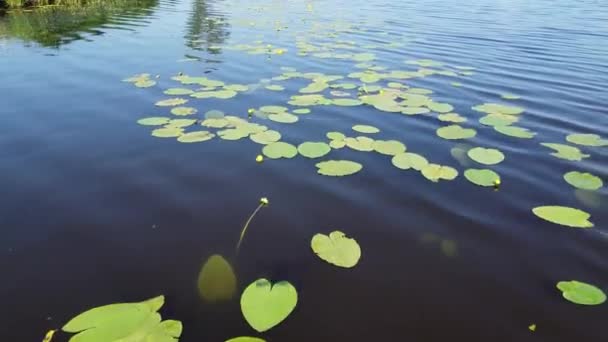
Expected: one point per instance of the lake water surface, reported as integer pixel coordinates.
(95, 210)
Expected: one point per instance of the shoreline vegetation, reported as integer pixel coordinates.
(18, 4)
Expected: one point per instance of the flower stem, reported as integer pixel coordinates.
(238, 245)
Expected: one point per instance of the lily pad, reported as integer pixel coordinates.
(273, 109)
(283, 118)
(509, 96)
(153, 121)
(346, 102)
(496, 108)
(193, 137)
(583, 180)
(183, 111)
(335, 136)
(168, 132)
(216, 280)
(389, 147)
(498, 120)
(301, 111)
(451, 117)
(514, 131)
(440, 107)
(215, 123)
(338, 168)
(279, 150)
(314, 87)
(564, 216)
(265, 305)
(566, 152)
(178, 91)
(233, 134)
(587, 140)
(406, 161)
(266, 137)
(482, 177)
(436, 172)
(124, 322)
(145, 83)
(453, 132)
(415, 110)
(363, 144)
(275, 87)
(365, 129)
(237, 87)
(336, 249)
(486, 156)
(581, 293)
(171, 102)
(313, 149)
(245, 339)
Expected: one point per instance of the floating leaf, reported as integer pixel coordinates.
(482, 177)
(498, 120)
(455, 132)
(178, 91)
(335, 136)
(167, 132)
(283, 118)
(180, 123)
(585, 181)
(245, 339)
(406, 161)
(275, 87)
(440, 107)
(314, 87)
(581, 293)
(363, 144)
(219, 94)
(486, 156)
(336, 144)
(566, 152)
(215, 123)
(389, 147)
(265, 305)
(193, 137)
(279, 149)
(301, 111)
(145, 83)
(336, 249)
(171, 102)
(236, 87)
(183, 110)
(346, 102)
(510, 96)
(137, 78)
(514, 131)
(266, 137)
(495, 108)
(415, 110)
(338, 168)
(313, 149)
(436, 172)
(365, 129)
(587, 140)
(451, 117)
(273, 109)
(233, 134)
(216, 281)
(564, 216)
(153, 121)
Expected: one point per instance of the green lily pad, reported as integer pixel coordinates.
(266, 137)
(436, 172)
(145, 83)
(273, 109)
(486, 156)
(171, 102)
(338, 168)
(365, 129)
(335, 136)
(498, 120)
(193, 137)
(451, 117)
(406, 161)
(137, 78)
(178, 91)
(346, 102)
(265, 305)
(236, 87)
(153, 121)
(440, 107)
(279, 150)
(585, 181)
(215, 123)
(508, 96)
(283, 118)
(389, 147)
(314, 87)
(495, 108)
(514, 131)
(363, 144)
(183, 111)
(219, 94)
(415, 110)
(216, 280)
(233, 134)
(587, 140)
(311, 149)
(245, 339)
(168, 132)
(124, 322)
(564, 216)
(336, 249)
(566, 152)
(337, 144)
(180, 123)
(275, 87)
(482, 177)
(453, 132)
(581, 293)
(301, 111)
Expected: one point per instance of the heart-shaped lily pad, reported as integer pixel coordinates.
(564, 216)
(486, 156)
(311, 149)
(279, 149)
(216, 281)
(482, 177)
(406, 161)
(583, 180)
(389, 147)
(581, 293)
(587, 140)
(436, 172)
(265, 305)
(336, 249)
(514, 131)
(245, 339)
(453, 132)
(566, 152)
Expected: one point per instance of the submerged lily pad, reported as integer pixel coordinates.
(389, 147)
(266, 137)
(566, 152)
(279, 149)
(365, 129)
(183, 110)
(153, 121)
(216, 281)
(193, 137)
(587, 140)
(453, 132)
(514, 131)
(581, 293)
(338, 168)
(585, 181)
(436, 172)
(486, 156)
(124, 322)
(311, 149)
(482, 177)
(406, 161)
(336, 249)
(265, 305)
(171, 102)
(564, 216)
